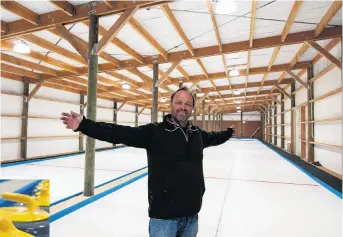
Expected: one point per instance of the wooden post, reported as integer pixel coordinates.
(292, 119)
(275, 124)
(180, 84)
(209, 122)
(303, 132)
(24, 122)
(262, 125)
(163, 114)
(154, 111)
(195, 112)
(270, 124)
(91, 102)
(115, 107)
(136, 116)
(241, 123)
(82, 111)
(203, 114)
(282, 121)
(213, 124)
(310, 116)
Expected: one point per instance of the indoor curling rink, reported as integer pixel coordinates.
(250, 191)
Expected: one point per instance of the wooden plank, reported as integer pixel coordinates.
(166, 74)
(73, 41)
(65, 7)
(325, 53)
(336, 5)
(20, 71)
(34, 91)
(252, 22)
(303, 132)
(20, 27)
(22, 62)
(215, 27)
(146, 35)
(21, 11)
(298, 79)
(116, 27)
(291, 17)
(283, 91)
(177, 27)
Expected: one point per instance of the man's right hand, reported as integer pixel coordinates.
(72, 120)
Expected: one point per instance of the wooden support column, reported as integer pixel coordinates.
(303, 132)
(262, 125)
(115, 107)
(91, 103)
(82, 112)
(241, 123)
(154, 110)
(275, 124)
(270, 125)
(292, 119)
(136, 116)
(203, 114)
(310, 117)
(180, 84)
(195, 112)
(282, 121)
(24, 122)
(163, 114)
(209, 122)
(213, 122)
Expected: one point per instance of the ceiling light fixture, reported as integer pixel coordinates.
(163, 99)
(237, 92)
(238, 107)
(239, 111)
(238, 102)
(21, 47)
(126, 86)
(234, 73)
(225, 6)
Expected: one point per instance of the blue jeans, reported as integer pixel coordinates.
(178, 227)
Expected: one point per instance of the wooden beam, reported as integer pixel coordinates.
(166, 74)
(109, 3)
(54, 48)
(252, 22)
(325, 53)
(20, 71)
(336, 5)
(177, 27)
(4, 27)
(66, 7)
(34, 91)
(20, 27)
(30, 65)
(116, 27)
(298, 79)
(21, 11)
(146, 35)
(291, 17)
(283, 91)
(73, 41)
(215, 27)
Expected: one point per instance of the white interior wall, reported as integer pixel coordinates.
(11, 127)
(331, 107)
(248, 116)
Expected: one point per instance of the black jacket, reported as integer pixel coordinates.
(175, 171)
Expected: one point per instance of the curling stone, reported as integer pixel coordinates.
(7, 229)
(42, 197)
(29, 218)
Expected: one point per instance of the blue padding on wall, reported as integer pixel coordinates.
(24, 162)
(79, 193)
(92, 199)
(27, 190)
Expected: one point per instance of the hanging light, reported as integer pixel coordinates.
(243, 121)
(225, 6)
(238, 101)
(239, 111)
(237, 92)
(163, 99)
(126, 86)
(234, 73)
(21, 47)
(238, 107)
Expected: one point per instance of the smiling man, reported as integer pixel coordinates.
(175, 152)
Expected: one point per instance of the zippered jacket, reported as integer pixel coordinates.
(175, 170)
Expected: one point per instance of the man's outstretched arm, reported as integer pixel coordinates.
(131, 136)
(216, 138)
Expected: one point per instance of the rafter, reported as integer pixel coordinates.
(20, 27)
(116, 27)
(298, 79)
(166, 74)
(21, 11)
(325, 53)
(4, 27)
(177, 27)
(214, 22)
(65, 7)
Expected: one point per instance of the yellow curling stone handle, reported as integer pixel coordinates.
(7, 229)
(43, 196)
(28, 213)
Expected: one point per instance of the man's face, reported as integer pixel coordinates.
(182, 106)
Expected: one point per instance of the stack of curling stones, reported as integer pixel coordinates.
(28, 218)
